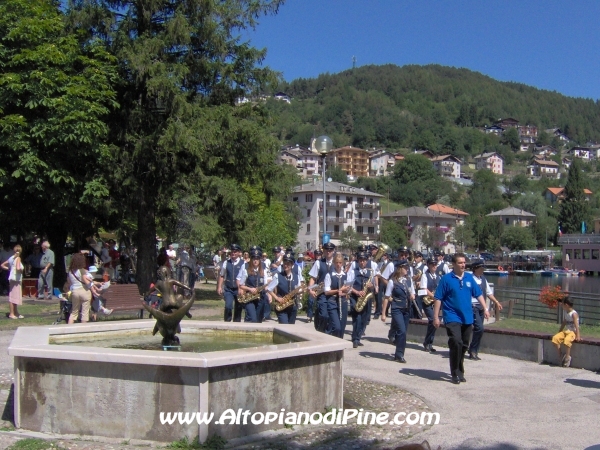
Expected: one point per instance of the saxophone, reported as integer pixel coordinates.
(362, 301)
(290, 299)
(249, 296)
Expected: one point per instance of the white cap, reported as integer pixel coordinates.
(93, 269)
(300, 255)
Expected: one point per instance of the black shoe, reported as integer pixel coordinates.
(474, 357)
(355, 344)
(455, 380)
(360, 344)
(399, 360)
(431, 349)
(462, 379)
(426, 347)
(309, 320)
(376, 316)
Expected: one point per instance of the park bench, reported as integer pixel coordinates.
(123, 297)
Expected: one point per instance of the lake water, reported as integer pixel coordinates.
(588, 284)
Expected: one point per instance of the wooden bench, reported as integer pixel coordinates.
(123, 297)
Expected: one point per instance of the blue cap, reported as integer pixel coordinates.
(329, 246)
(477, 264)
(289, 257)
(362, 255)
(235, 247)
(402, 262)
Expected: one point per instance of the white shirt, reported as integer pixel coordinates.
(216, 259)
(243, 274)
(409, 287)
(314, 270)
(568, 318)
(275, 281)
(224, 266)
(328, 278)
(446, 269)
(488, 289)
(388, 270)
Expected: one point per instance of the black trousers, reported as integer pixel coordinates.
(459, 336)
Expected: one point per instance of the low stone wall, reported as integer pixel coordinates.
(525, 345)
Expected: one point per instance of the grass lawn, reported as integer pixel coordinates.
(389, 206)
(543, 327)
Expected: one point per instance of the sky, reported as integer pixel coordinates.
(548, 44)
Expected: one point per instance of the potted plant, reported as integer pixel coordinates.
(552, 296)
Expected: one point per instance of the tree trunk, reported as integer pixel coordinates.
(57, 236)
(146, 255)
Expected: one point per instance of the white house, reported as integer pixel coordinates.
(345, 207)
(306, 162)
(584, 153)
(416, 221)
(543, 168)
(381, 162)
(447, 165)
(491, 161)
(512, 216)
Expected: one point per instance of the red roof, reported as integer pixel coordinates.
(559, 190)
(447, 210)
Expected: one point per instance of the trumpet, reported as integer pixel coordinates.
(383, 249)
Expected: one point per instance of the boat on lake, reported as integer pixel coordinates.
(559, 271)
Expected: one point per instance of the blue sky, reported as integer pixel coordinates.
(553, 45)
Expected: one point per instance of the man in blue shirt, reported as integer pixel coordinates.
(453, 296)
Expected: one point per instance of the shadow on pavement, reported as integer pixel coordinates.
(384, 356)
(8, 413)
(434, 375)
(585, 384)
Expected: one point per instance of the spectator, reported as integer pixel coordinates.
(569, 332)
(106, 260)
(172, 255)
(81, 294)
(15, 269)
(115, 259)
(5, 254)
(47, 271)
(34, 261)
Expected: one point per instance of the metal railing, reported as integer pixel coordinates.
(579, 239)
(363, 220)
(525, 304)
(366, 206)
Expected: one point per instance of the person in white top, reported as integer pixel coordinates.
(15, 277)
(172, 254)
(569, 332)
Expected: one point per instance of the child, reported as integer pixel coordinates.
(97, 288)
(570, 325)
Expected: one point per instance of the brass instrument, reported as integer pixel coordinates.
(383, 248)
(427, 300)
(362, 301)
(249, 296)
(290, 299)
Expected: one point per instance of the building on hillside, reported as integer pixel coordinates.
(426, 153)
(594, 150)
(509, 122)
(583, 153)
(544, 151)
(283, 97)
(354, 161)
(381, 163)
(490, 161)
(566, 163)
(398, 158)
(447, 166)
(418, 221)
(345, 207)
(557, 194)
(515, 217)
(543, 168)
(557, 132)
(306, 162)
(460, 215)
(527, 132)
(494, 129)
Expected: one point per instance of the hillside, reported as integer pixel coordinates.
(432, 107)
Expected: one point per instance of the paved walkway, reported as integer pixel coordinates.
(505, 404)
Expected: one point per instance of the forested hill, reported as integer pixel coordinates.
(431, 107)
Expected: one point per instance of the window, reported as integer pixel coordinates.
(595, 253)
(348, 214)
(371, 201)
(577, 254)
(371, 230)
(308, 227)
(349, 200)
(359, 230)
(586, 253)
(308, 213)
(309, 198)
(360, 215)
(336, 228)
(359, 200)
(371, 216)
(294, 199)
(506, 221)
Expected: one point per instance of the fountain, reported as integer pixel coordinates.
(79, 379)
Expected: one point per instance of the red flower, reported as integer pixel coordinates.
(552, 296)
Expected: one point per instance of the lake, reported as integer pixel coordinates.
(588, 284)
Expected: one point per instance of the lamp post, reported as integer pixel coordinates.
(323, 144)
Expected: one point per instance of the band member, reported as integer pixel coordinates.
(251, 277)
(363, 279)
(310, 312)
(277, 259)
(282, 284)
(354, 264)
(442, 268)
(478, 310)
(385, 265)
(428, 285)
(317, 275)
(336, 290)
(418, 268)
(227, 284)
(398, 293)
(403, 253)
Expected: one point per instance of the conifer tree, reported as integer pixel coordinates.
(574, 209)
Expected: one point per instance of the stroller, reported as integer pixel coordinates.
(65, 307)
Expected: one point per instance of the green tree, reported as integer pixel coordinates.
(179, 133)
(393, 234)
(511, 137)
(336, 174)
(432, 237)
(484, 195)
(414, 167)
(350, 239)
(55, 96)
(517, 185)
(543, 138)
(518, 238)
(463, 237)
(574, 209)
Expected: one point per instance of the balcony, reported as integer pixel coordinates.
(339, 204)
(333, 219)
(367, 206)
(368, 221)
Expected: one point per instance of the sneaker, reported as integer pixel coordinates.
(567, 361)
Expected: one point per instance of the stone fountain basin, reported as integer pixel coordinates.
(120, 393)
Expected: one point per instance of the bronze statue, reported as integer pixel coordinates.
(172, 309)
